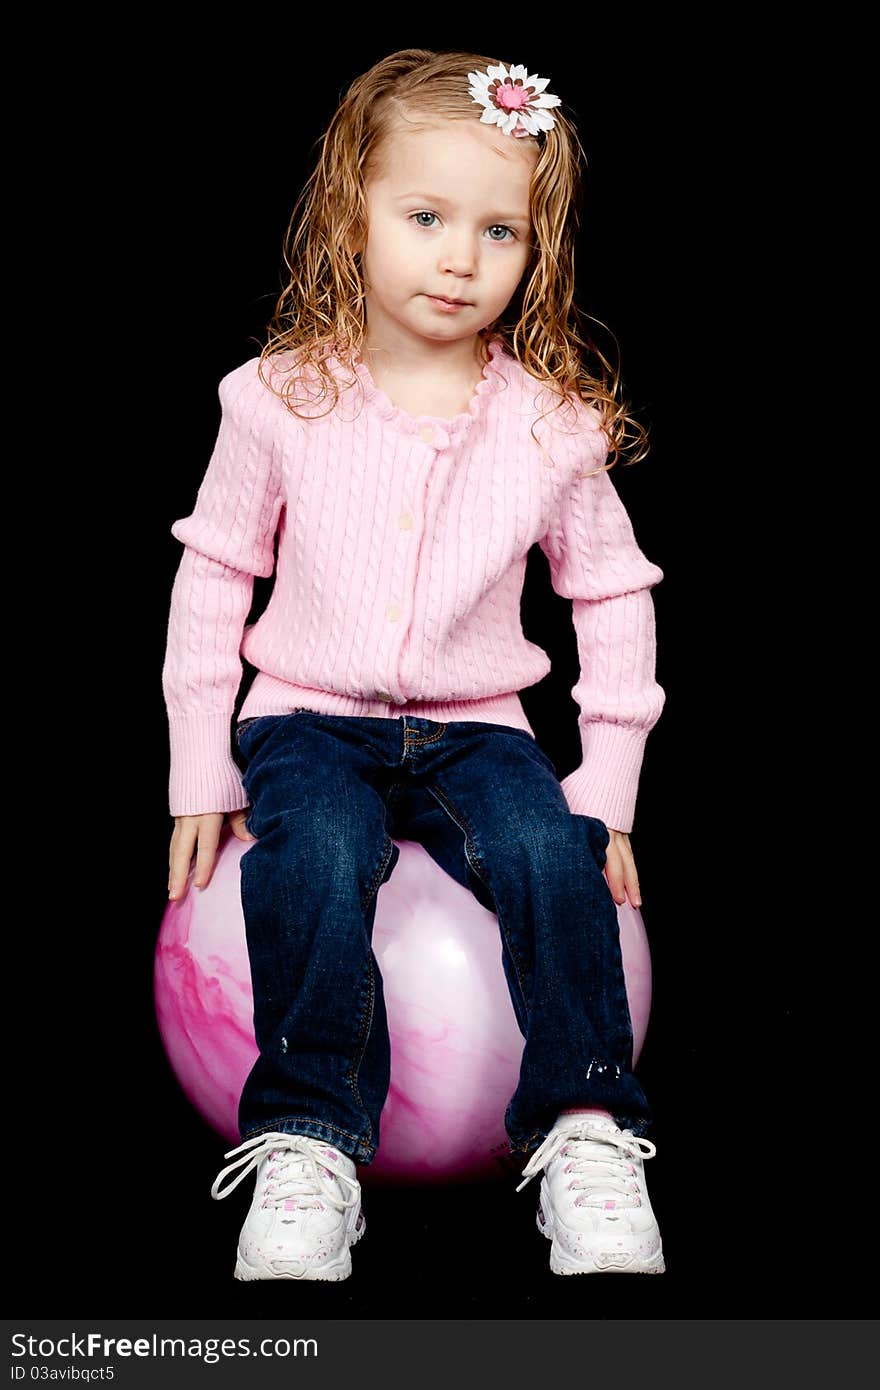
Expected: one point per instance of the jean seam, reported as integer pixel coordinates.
(415, 739)
(376, 880)
(367, 1017)
(366, 1024)
(531, 1142)
(310, 1120)
(482, 873)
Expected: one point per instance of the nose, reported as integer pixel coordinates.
(458, 256)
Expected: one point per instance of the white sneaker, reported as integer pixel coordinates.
(302, 1221)
(594, 1204)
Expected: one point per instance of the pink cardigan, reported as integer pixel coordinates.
(401, 554)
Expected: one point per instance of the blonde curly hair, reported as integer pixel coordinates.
(321, 310)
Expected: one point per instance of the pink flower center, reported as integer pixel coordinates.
(511, 98)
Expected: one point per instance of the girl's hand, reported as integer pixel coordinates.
(620, 869)
(201, 833)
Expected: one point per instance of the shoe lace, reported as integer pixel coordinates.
(597, 1156)
(300, 1176)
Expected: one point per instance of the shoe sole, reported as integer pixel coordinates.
(603, 1262)
(340, 1269)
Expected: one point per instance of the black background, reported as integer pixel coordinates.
(178, 165)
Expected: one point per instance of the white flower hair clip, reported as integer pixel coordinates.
(511, 99)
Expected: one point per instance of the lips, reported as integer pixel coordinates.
(447, 300)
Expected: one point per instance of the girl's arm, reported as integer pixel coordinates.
(228, 539)
(594, 560)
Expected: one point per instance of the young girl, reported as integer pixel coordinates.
(421, 416)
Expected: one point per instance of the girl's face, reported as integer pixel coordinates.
(448, 217)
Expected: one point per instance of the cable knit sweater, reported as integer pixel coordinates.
(401, 554)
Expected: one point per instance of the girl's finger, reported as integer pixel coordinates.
(237, 823)
(632, 885)
(614, 879)
(209, 838)
(182, 846)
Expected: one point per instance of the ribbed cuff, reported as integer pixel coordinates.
(204, 778)
(606, 783)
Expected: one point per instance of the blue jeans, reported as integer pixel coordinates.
(329, 794)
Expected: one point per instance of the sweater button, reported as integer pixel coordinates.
(426, 434)
(405, 521)
(383, 695)
(392, 612)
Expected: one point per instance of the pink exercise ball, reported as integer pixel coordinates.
(455, 1044)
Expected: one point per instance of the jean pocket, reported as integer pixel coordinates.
(244, 724)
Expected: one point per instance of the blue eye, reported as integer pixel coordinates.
(496, 226)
